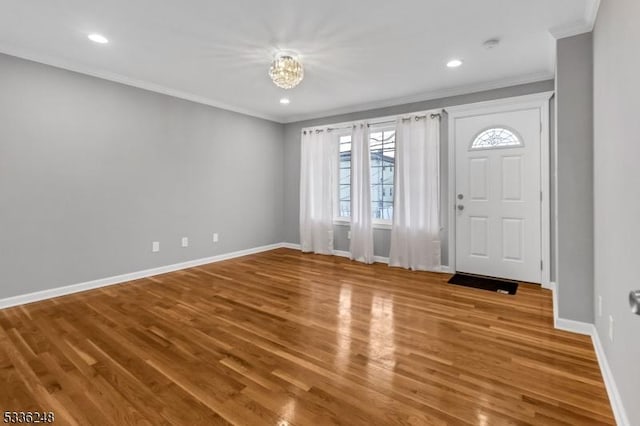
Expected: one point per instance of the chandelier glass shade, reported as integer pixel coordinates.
(286, 72)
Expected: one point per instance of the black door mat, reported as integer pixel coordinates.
(485, 283)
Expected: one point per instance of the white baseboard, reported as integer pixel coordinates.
(292, 246)
(377, 259)
(341, 253)
(612, 389)
(381, 259)
(118, 279)
(344, 253)
(560, 323)
(575, 326)
(590, 330)
(549, 286)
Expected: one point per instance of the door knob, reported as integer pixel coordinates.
(460, 196)
(460, 207)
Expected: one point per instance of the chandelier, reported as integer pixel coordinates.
(286, 72)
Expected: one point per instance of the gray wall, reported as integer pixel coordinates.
(91, 172)
(574, 103)
(381, 237)
(617, 193)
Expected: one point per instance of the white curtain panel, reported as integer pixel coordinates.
(318, 176)
(415, 240)
(361, 245)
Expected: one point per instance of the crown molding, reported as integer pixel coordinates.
(577, 27)
(591, 12)
(570, 30)
(157, 88)
(426, 96)
(581, 26)
(140, 84)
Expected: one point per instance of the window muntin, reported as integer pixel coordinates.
(344, 186)
(496, 137)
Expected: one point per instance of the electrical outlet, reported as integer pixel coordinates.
(611, 328)
(185, 242)
(155, 246)
(599, 305)
(348, 235)
(215, 237)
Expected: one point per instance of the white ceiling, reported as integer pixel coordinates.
(357, 53)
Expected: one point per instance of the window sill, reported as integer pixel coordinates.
(342, 222)
(382, 225)
(376, 225)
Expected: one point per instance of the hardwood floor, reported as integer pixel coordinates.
(284, 338)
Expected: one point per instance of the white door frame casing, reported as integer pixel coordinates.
(535, 101)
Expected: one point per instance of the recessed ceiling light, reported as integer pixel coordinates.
(98, 38)
(454, 63)
(285, 101)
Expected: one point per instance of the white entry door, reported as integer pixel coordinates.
(498, 193)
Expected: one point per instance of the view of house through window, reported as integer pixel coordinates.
(382, 144)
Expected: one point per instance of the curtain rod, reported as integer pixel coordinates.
(418, 117)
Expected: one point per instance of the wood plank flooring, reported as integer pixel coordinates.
(284, 338)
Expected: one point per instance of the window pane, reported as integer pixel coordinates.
(496, 138)
(376, 210)
(345, 192)
(382, 144)
(345, 160)
(345, 147)
(387, 175)
(375, 144)
(345, 176)
(345, 209)
(376, 175)
(387, 211)
(382, 210)
(376, 193)
(387, 193)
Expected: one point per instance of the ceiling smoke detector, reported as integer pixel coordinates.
(491, 43)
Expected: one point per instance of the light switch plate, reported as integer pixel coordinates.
(155, 246)
(599, 305)
(185, 242)
(611, 328)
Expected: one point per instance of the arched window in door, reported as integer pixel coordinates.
(496, 137)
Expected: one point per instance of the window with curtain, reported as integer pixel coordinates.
(344, 189)
(382, 146)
